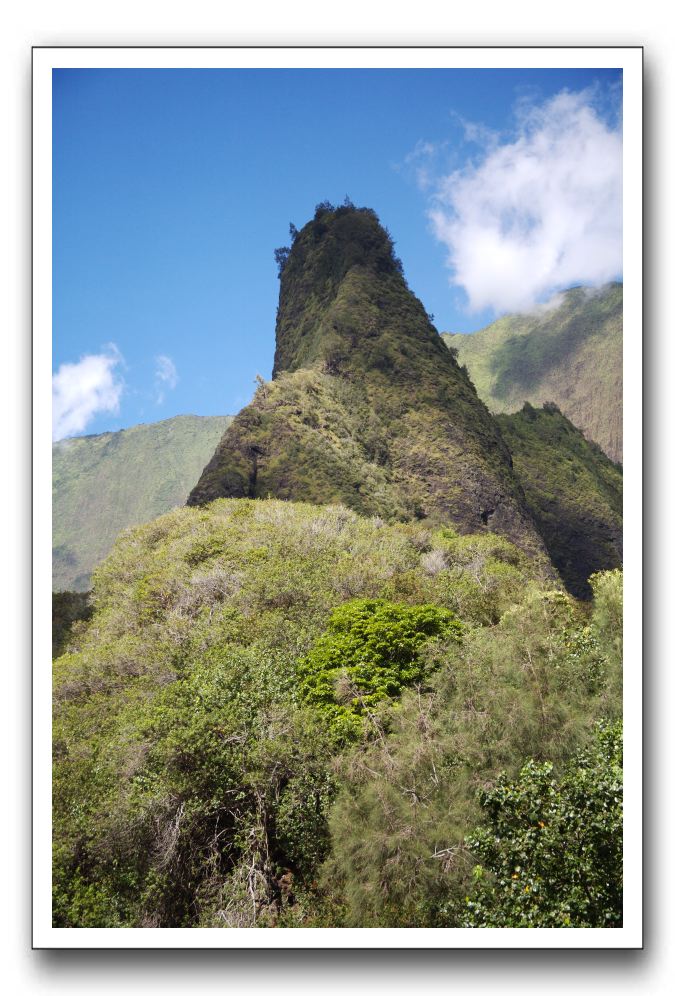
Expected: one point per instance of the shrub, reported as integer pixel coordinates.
(372, 649)
(551, 851)
(608, 610)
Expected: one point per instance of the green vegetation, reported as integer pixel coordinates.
(366, 406)
(570, 354)
(370, 651)
(104, 484)
(574, 491)
(532, 685)
(552, 849)
(202, 775)
(343, 686)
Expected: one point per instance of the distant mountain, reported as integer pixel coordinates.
(366, 406)
(106, 483)
(574, 491)
(570, 354)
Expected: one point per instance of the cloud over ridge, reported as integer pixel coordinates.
(81, 390)
(539, 213)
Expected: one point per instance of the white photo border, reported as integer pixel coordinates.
(630, 61)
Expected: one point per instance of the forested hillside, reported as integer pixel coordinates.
(103, 484)
(282, 715)
(345, 686)
(570, 354)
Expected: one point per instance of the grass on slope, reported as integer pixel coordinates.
(106, 483)
(570, 354)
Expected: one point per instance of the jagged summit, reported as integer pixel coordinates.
(366, 406)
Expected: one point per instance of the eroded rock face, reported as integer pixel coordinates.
(367, 406)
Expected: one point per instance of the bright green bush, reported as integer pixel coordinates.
(371, 650)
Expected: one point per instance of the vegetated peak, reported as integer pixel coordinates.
(338, 278)
(367, 407)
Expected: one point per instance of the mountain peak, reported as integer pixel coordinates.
(340, 265)
(367, 407)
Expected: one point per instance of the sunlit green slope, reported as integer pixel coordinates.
(570, 354)
(103, 484)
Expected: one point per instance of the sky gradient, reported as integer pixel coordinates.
(172, 188)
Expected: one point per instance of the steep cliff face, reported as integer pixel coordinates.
(367, 406)
(574, 491)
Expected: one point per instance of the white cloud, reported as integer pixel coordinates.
(422, 162)
(166, 377)
(538, 213)
(82, 390)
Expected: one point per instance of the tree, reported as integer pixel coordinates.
(281, 257)
(551, 853)
(324, 207)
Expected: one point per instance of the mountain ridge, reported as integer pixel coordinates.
(105, 482)
(574, 492)
(570, 354)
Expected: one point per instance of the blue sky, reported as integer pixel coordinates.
(173, 188)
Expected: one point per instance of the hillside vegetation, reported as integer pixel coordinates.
(571, 354)
(574, 491)
(283, 715)
(344, 685)
(104, 484)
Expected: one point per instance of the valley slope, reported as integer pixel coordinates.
(106, 483)
(570, 354)
(574, 491)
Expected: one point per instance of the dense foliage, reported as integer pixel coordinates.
(200, 780)
(531, 685)
(551, 853)
(370, 651)
(104, 484)
(570, 354)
